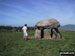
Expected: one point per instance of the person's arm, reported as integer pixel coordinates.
(22, 28)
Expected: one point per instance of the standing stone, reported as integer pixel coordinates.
(47, 34)
(37, 33)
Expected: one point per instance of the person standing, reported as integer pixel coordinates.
(25, 32)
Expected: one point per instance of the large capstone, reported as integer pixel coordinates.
(49, 23)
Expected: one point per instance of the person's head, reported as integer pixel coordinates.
(25, 24)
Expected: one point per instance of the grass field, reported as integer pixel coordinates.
(12, 44)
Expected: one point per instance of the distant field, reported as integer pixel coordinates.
(12, 44)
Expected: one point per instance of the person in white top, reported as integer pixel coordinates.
(25, 32)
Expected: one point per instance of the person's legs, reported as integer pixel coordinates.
(24, 38)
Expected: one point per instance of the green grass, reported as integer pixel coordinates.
(12, 44)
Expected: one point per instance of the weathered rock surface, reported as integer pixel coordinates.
(37, 33)
(50, 23)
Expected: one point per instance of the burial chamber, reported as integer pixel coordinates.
(47, 29)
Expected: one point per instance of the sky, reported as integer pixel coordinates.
(20, 12)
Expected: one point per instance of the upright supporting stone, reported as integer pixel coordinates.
(37, 33)
(45, 34)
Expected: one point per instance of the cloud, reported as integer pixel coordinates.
(31, 11)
